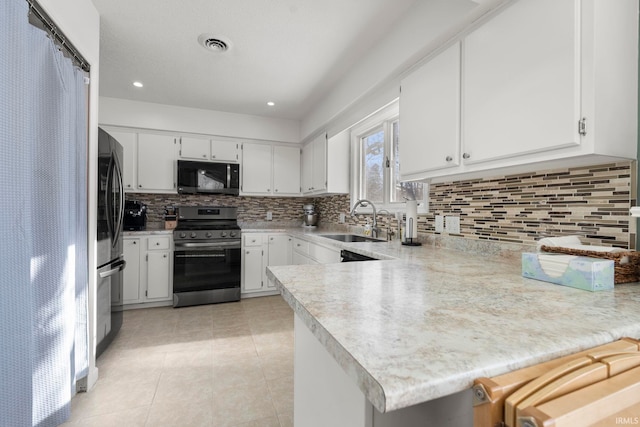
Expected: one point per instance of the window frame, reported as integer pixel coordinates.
(382, 119)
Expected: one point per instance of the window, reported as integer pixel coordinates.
(376, 172)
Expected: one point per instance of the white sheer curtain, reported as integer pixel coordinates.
(43, 252)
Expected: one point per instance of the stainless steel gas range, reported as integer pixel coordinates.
(207, 256)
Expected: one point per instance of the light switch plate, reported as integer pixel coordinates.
(439, 224)
(269, 216)
(452, 224)
(343, 218)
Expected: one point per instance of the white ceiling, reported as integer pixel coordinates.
(286, 51)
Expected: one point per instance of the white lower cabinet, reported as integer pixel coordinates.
(148, 276)
(306, 252)
(260, 250)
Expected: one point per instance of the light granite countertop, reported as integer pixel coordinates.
(427, 321)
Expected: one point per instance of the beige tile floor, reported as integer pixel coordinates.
(213, 365)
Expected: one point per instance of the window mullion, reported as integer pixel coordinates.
(387, 169)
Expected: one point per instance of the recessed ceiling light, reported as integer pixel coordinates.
(138, 84)
(271, 103)
(214, 43)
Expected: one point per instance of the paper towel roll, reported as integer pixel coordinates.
(412, 219)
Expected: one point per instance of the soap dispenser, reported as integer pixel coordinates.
(367, 228)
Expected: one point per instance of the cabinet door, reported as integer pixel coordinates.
(521, 81)
(156, 162)
(307, 169)
(319, 169)
(158, 275)
(131, 276)
(301, 259)
(252, 269)
(280, 249)
(256, 168)
(224, 151)
(430, 115)
(194, 148)
(286, 170)
(129, 142)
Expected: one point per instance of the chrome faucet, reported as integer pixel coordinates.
(364, 203)
(390, 232)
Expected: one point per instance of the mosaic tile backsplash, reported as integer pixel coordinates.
(286, 211)
(592, 202)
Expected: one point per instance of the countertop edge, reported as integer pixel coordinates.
(371, 388)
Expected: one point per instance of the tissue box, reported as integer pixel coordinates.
(589, 274)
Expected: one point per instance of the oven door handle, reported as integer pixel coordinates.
(209, 245)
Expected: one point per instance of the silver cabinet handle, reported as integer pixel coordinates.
(213, 156)
(449, 159)
(135, 243)
(205, 156)
(466, 155)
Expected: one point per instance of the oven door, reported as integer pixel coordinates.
(204, 266)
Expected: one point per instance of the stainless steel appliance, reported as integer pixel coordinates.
(110, 216)
(310, 216)
(135, 215)
(348, 256)
(206, 265)
(208, 177)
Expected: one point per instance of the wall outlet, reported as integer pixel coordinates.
(269, 216)
(452, 224)
(439, 224)
(343, 218)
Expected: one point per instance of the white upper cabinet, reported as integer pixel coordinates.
(156, 163)
(544, 83)
(430, 115)
(522, 81)
(319, 168)
(307, 169)
(225, 151)
(270, 170)
(325, 165)
(314, 165)
(149, 161)
(195, 148)
(256, 169)
(129, 142)
(286, 170)
(217, 150)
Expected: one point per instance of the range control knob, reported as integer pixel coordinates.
(223, 234)
(193, 235)
(183, 235)
(233, 234)
(209, 234)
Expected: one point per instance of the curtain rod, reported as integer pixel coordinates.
(46, 24)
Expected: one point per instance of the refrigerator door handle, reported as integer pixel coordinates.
(117, 267)
(120, 217)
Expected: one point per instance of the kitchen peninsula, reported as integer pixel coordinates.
(400, 341)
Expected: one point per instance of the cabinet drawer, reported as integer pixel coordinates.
(251, 239)
(158, 242)
(300, 245)
(323, 254)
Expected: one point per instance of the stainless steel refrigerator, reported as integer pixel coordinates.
(110, 259)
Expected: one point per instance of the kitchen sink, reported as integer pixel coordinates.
(351, 238)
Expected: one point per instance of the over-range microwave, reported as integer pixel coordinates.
(208, 177)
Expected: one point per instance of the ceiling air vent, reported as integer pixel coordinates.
(213, 43)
